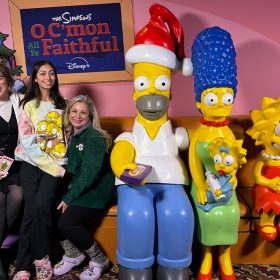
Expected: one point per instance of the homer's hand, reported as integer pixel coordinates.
(122, 157)
(122, 167)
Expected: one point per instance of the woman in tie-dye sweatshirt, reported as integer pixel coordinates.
(42, 149)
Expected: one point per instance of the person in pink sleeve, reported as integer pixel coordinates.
(42, 149)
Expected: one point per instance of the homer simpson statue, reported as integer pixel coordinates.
(155, 219)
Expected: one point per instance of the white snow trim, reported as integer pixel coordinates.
(151, 54)
(187, 67)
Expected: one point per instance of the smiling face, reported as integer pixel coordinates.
(151, 90)
(4, 88)
(45, 77)
(79, 115)
(216, 103)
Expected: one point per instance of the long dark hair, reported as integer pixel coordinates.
(33, 90)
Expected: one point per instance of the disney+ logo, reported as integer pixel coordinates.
(77, 63)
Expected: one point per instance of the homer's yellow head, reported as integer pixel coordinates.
(53, 116)
(53, 130)
(158, 50)
(41, 127)
(152, 84)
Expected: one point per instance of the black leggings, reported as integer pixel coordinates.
(10, 206)
(75, 222)
(39, 191)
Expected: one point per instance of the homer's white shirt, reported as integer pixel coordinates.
(162, 153)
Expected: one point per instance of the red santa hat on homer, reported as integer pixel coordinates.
(154, 43)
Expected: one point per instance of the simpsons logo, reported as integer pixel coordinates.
(79, 31)
(86, 38)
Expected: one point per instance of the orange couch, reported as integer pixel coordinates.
(250, 247)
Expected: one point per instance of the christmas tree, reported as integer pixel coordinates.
(8, 59)
(7, 56)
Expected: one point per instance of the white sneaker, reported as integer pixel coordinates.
(94, 270)
(66, 264)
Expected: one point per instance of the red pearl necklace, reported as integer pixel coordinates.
(214, 123)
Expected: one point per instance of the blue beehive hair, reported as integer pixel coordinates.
(214, 60)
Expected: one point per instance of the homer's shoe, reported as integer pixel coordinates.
(132, 274)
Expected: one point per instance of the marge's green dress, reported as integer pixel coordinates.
(220, 225)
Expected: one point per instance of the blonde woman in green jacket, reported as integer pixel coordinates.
(91, 189)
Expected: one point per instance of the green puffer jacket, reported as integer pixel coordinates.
(92, 182)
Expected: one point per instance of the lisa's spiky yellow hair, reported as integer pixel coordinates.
(265, 118)
(234, 145)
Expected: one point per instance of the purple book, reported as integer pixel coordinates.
(135, 177)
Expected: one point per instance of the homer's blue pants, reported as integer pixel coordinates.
(144, 211)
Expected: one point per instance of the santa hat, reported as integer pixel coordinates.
(157, 44)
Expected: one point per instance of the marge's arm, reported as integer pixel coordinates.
(197, 172)
(122, 157)
(234, 181)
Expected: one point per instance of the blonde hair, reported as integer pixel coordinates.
(92, 115)
(234, 145)
(264, 119)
